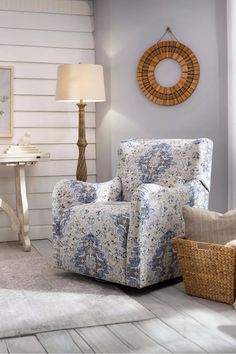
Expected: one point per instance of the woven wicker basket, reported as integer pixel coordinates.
(208, 270)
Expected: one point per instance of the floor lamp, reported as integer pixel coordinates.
(80, 83)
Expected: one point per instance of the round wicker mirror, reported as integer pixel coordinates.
(168, 96)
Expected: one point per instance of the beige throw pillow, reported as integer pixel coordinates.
(208, 226)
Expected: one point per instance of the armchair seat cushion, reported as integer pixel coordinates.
(94, 240)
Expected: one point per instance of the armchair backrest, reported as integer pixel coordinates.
(165, 162)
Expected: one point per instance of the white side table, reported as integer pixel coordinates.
(20, 218)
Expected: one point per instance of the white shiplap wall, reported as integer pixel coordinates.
(36, 36)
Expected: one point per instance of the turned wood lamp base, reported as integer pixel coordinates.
(81, 172)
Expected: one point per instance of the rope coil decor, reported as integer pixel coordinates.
(182, 90)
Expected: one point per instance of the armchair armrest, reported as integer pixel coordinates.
(156, 217)
(68, 193)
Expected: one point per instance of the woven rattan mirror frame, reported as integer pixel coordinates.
(168, 96)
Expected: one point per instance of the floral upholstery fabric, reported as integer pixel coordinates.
(155, 219)
(100, 249)
(68, 193)
(121, 230)
(165, 162)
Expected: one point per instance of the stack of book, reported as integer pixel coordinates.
(23, 153)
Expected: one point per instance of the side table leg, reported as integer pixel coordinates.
(18, 203)
(22, 207)
(15, 224)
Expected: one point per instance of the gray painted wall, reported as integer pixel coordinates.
(124, 29)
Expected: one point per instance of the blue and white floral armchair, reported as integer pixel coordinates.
(121, 230)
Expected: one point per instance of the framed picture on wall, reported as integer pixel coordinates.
(6, 101)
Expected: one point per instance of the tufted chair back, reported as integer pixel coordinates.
(165, 162)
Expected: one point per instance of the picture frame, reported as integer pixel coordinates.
(6, 101)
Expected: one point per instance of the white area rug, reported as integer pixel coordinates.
(36, 297)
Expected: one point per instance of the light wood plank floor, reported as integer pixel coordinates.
(182, 324)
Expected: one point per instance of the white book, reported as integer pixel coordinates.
(26, 155)
(23, 153)
(16, 150)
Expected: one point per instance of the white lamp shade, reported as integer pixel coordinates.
(77, 82)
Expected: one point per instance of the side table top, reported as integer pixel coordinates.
(5, 159)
